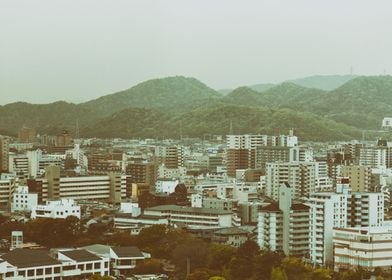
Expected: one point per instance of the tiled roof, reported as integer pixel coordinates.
(128, 252)
(22, 258)
(80, 255)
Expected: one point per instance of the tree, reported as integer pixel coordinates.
(248, 249)
(220, 255)
(241, 268)
(148, 267)
(265, 262)
(192, 253)
(150, 236)
(278, 274)
(321, 274)
(295, 268)
(200, 274)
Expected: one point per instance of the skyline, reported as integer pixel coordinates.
(79, 51)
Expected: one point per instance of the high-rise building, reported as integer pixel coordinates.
(142, 172)
(170, 156)
(301, 176)
(63, 139)
(340, 209)
(26, 135)
(365, 247)
(285, 225)
(360, 177)
(4, 154)
(241, 150)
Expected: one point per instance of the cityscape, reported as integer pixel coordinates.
(151, 140)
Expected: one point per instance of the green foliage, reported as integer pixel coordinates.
(53, 232)
(265, 262)
(192, 251)
(249, 249)
(158, 108)
(241, 268)
(278, 274)
(150, 266)
(220, 256)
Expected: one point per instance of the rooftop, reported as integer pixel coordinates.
(80, 255)
(185, 209)
(22, 258)
(128, 252)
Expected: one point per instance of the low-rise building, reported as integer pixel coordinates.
(366, 247)
(192, 217)
(23, 200)
(58, 209)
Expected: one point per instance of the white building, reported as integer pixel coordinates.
(284, 225)
(386, 123)
(166, 186)
(367, 247)
(130, 208)
(58, 209)
(373, 156)
(301, 176)
(23, 200)
(192, 217)
(340, 209)
(196, 200)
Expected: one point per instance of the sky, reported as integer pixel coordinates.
(76, 50)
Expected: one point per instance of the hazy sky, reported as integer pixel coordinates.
(81, 49)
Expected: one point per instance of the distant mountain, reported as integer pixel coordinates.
(361, 102)
(134, 123)
(243, 96)
(324, 82)
(160, 107)
(258, 88)
(44, 117)
(262, 87)
(167, 93)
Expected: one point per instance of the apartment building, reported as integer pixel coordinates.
(8, 185)
(111, 188)
(23, 200)
(170, 156)
(267, 154)
(192, 217)
(360, 177)
(301, 176)
(340, 209)
(365, 247)
(4, 151)
(284, 226)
